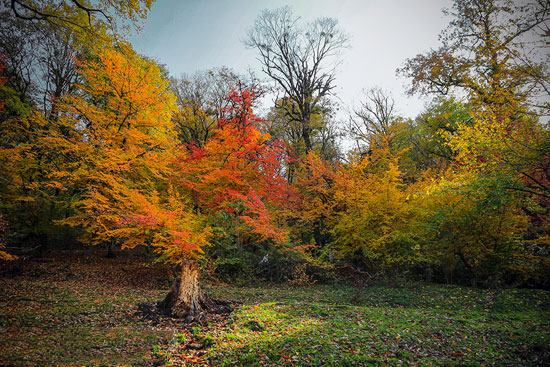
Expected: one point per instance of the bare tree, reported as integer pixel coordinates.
(301, 60)
(40, 62)
(196, 116)
(202, 99)
(18, 45)
(373, 124)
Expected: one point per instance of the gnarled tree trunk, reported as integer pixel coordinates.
(185, 299)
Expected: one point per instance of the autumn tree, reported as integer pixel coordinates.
(236, 174)
(314, 208)
(494, 54)
(111, 151)
(301, 60)
(375, 214)
(41, 41)
(490, 47)
(111, 137)
(8, 98)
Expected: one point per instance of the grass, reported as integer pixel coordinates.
(82, 312)
(415, 325)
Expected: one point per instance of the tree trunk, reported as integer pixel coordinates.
(185, 299)
(306, 134)
(110, 254)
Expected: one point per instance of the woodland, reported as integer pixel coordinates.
(153, 219)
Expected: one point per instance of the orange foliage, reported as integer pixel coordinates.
(3, 225)
(238, 170)
(115, 145)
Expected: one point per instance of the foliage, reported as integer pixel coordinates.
(237, 171)
(202, 98)
(489, 47)
(236, 180)
(82, 17)
(424, 140)
(101, 142)
(313, 211)
(470, 222)
(493, 53)
(375, 210)
(116, 152)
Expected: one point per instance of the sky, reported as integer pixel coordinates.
(192, 35)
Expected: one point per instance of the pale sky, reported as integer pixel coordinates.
(191, 35)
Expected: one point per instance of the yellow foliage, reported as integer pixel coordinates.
(374, 208)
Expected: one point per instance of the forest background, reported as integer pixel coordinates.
(101, 145)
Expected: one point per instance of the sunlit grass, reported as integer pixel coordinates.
(416, 325)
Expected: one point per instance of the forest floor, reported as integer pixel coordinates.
(80, 309)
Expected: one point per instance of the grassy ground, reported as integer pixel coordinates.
(413, 325)
(81, 310)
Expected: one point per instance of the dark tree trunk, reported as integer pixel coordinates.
(110, 254)
(185, 299)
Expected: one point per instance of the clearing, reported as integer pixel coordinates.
(78, 308)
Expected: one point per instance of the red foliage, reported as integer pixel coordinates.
(238, 166)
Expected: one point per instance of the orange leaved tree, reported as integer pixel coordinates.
(112, 149)
(113, 152)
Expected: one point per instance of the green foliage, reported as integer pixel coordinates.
(181, 338)
(470, 223)
(425, 139)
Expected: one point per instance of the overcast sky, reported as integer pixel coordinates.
(191, 35)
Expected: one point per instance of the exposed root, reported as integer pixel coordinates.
(159, 314)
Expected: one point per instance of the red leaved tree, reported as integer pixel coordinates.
(239, 172)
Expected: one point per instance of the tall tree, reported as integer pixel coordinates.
(494, 50)
(495, 53)
(301, 60)
(112, 144)
(42, 40)
(375, 214)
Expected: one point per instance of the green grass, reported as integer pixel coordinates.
(417, 325)
(88, 318)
